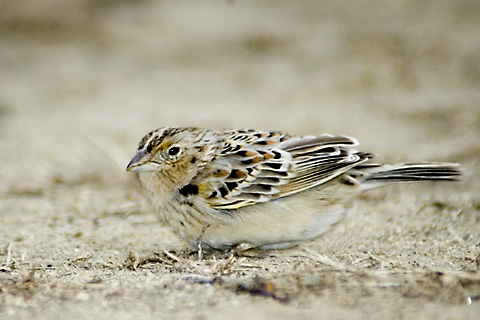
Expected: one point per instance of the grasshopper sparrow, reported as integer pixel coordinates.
(263, 189)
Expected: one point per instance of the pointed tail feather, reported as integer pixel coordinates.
(427, 171)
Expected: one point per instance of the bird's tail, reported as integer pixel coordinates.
(374, 175)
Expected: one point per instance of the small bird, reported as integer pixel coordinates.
(260, 189)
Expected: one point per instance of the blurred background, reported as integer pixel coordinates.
(81, 81)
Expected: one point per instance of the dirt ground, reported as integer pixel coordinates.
(81, 81)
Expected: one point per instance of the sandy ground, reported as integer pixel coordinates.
(81, 82)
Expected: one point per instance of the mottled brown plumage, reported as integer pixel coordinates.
(262, 189)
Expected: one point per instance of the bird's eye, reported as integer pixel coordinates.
(173, 151)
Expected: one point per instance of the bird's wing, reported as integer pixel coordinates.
(253, 167)
(320, 159)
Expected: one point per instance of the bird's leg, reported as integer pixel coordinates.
(199, 242)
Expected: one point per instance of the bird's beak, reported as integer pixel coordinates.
(141, 162)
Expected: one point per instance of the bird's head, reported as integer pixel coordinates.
(174, 153)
